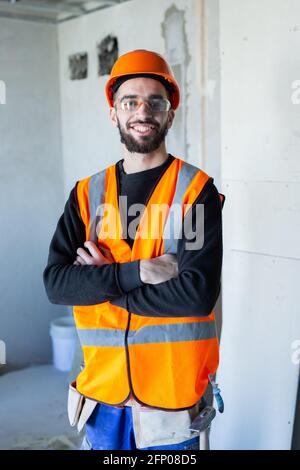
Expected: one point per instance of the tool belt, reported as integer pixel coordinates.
(151, 426)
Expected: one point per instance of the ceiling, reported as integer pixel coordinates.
(52, 11)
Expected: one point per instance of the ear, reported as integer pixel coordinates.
(171, 115)
(113, 117)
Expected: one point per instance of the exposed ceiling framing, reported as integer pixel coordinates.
(52, 11)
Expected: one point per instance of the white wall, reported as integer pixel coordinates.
(90, 143)
(259, 40)
(260, 178)
(42, 173)
(209, 64)
(31, 187)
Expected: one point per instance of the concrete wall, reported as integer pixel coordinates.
(260, 177)
(90, 143)
(31, 188)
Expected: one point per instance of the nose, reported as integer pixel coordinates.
(144, 109)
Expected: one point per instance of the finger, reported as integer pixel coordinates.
(83, 255)
(80, 260)
(100, 255)
(76, 263)
(93, 249)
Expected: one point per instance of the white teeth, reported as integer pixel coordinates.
(142, 128)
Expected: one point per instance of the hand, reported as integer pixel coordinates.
(97, 257)
(159, 269)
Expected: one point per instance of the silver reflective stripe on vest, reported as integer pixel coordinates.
(101, 337)
(173, 226)
(96, 200)
(170, 333)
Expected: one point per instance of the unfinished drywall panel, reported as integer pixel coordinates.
(257, 376)
(258, 72)
(260, 177)
(89, 140)
(275, 207)
(31, 185)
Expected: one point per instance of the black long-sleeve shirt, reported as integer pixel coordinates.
(193, 293)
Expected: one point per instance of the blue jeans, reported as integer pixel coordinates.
(111, 428)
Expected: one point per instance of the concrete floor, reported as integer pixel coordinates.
(33, 410)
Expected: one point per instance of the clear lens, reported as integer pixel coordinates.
(129, 105)
(159, 105)
(156, 105)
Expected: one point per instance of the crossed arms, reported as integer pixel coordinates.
(185, 285)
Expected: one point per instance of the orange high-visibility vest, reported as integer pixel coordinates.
(163, 361)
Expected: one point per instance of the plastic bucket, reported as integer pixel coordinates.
(64, 337)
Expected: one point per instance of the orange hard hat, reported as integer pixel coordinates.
(142, 62)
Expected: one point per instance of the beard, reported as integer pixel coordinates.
(149, 143)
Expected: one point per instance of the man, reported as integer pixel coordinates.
(141, 262)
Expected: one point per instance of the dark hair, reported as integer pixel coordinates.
(168, 86)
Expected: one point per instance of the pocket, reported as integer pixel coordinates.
(75, 404)
(86, 411)
(157, 428)
(80, 408)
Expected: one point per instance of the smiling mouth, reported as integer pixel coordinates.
(143, 129)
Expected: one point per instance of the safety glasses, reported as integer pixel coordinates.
(155, 105)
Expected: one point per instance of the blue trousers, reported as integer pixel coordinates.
(111, 428)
